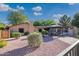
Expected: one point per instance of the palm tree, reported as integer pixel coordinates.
(65, 21)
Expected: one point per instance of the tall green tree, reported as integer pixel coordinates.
(36, 23)
(17, 17)
(2, 25)
(44, 22)
(75, 20)
(65, 21)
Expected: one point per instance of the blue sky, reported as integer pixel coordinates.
(36, 11)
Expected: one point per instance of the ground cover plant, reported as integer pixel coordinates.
(15, 34)
(2, 43)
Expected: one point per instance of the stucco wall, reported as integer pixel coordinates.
(27, 27)
(32, 28)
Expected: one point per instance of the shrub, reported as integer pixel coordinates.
(78, 33)
(35, 39)
(44, 32)
(15, 34)
(3, 43)
(2, 26)
(26, 33)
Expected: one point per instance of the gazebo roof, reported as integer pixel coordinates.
(50, 26)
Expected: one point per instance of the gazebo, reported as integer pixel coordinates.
(52, 29)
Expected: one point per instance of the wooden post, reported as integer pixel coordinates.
(0, 34)
(62, 31)
(9, 33)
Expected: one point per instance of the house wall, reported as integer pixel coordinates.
(27, 27)
(32, 28)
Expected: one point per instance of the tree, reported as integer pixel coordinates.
(17, 17)
(37, 23)
(44, 22)
(75, 21)
(2, 26)
(65, 21)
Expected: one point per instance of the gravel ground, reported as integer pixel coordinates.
(19, 47)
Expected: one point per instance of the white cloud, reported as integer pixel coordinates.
(37, 8)
(20, 7)
(4, 7)
(57, 15)
(71, 3)
(37, 13)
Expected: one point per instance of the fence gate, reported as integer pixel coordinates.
(4, 34)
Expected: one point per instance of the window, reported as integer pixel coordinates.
(21, 30)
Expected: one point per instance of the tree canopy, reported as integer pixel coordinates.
(75, 20)
(44, 22)
(2, 26)
(17, 17)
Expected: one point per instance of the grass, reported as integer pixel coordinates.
(3, 43)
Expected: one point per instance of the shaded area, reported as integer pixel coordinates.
(19, 52)
(48, 38)
(11, 39)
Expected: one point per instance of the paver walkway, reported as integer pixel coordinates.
(20, 47)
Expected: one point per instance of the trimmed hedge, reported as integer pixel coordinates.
(26, 33)
(44, 32)
(35, 39)
(15, 34)
(3, 43)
